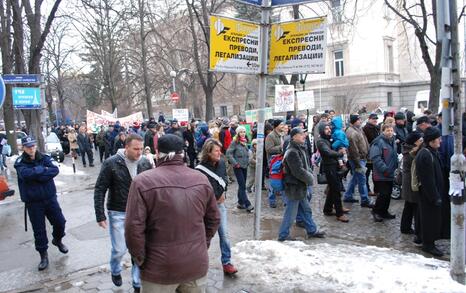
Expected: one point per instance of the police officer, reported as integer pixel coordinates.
(37, 188)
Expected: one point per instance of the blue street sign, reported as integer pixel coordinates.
(278, 2)
(2, 92)
(21, 78)
(26, 98)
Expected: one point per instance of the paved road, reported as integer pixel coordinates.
(85, 268)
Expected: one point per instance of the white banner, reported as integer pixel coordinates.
(305, 100)
(284, 98)
(182, 115)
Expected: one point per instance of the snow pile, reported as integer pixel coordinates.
(296, 266)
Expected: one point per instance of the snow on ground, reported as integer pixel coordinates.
(68, 170)
(296, 267)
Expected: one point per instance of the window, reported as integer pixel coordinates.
(391, 68)
(339, 69)
(236, 109)
(223, 111)
(389, 99)
(337, 11)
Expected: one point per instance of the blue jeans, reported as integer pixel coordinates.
(273, 196)
(117, 236)
(241, 176)
(223, 235)
(293, 207)
(357, 179)
(300, 217)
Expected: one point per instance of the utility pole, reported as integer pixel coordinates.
(447, 24)
(264, 51)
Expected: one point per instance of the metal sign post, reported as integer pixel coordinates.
(264, 37)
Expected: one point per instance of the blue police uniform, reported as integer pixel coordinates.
(38, 192)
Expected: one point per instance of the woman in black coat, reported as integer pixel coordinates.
(410, 211)
(429, 174)
(329, 167)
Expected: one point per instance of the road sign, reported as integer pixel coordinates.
(234, 45)
(26, 98)
(2, 92)
(298, 47)
(21, 78)
(175, 97)
(277, 2)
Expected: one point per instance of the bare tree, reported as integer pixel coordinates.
(199, 12)
(37, 38)
(103, 32)
(418, 16)
(56, 59)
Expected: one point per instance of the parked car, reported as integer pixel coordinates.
(53, 147)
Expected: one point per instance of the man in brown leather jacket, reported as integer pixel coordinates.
(171, 217)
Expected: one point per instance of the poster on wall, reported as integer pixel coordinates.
(284, 98)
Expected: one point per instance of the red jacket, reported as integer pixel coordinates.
(171, 216)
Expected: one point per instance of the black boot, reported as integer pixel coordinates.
(44, 261)
(60, 245)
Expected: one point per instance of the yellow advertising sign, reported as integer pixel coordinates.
(234, 45)
(298, 47)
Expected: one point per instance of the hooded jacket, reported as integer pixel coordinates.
(338, 135)
(298, 175)
(408, 159)
(384, 158)
(114, 176)
(324, 145)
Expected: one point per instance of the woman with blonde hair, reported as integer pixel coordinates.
(238, 156)
(73, 139)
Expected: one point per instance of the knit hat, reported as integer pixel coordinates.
(152, 125)
(354, 118)
(373, 116)
(295, 122)
(422, 119)
(431, 134)
(413, 137)
(240, 128)
(400, 116)
(277, 122)
(170, 143)
(296, 130)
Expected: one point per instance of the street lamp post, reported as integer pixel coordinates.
(56, 110)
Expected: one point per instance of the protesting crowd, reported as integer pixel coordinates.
(165, 184)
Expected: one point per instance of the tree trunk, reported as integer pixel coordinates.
(7, 66)
(145, 75)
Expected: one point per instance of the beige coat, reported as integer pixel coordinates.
(73, 139)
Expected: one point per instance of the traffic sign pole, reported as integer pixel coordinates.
(264, 40)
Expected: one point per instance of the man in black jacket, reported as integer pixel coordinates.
(431, 186)
(116, 176)
(297, 181)
(371, 131)
(400, 130)
(149, 137)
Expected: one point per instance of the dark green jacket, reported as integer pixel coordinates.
(298, 175)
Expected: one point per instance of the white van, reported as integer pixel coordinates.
(422, 102)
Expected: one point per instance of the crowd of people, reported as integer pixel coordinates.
(166, 221)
